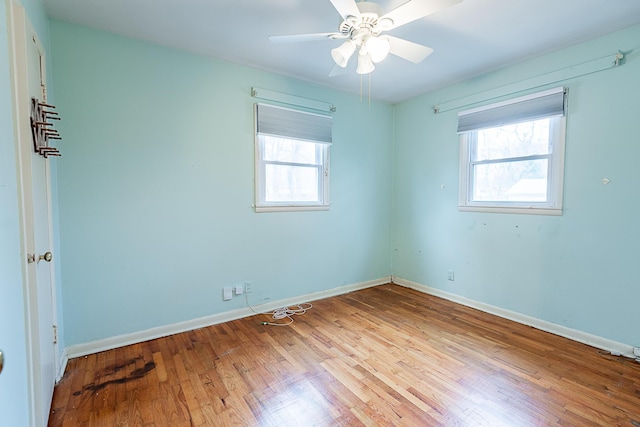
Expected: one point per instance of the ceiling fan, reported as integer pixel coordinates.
(362, 26)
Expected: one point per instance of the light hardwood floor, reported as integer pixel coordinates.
(384, 356)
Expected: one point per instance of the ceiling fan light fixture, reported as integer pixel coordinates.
(365, 64)
(362, 23)
(378, 48)
(342, 53)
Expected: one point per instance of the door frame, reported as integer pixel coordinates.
(19, 26)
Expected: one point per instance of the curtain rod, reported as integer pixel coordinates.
(589, 67)
(297, 101)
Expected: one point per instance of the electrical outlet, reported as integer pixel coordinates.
(247, 287)
(636, 351)
(227, 293)
(450, 275)
(238, 289)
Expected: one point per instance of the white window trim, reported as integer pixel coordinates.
(555, 184)
(262, 206)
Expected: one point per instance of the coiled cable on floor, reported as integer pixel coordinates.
(287, 312)
(283, 312)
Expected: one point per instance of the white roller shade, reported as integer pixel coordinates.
(550, 103)
(294, 124)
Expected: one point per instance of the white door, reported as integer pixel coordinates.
(28, 66)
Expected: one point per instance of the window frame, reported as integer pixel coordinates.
(323, 150)
(555, 169)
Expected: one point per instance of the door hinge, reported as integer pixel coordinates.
(55, 334)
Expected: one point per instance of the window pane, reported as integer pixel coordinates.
(290, 150)
(511, 181)
(291, 183)
(518, 140)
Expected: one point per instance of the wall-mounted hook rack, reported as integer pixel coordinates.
(42, 129)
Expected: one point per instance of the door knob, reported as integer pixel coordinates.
(48, 256)
(1, 361)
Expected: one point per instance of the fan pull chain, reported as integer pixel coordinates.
(368, 89)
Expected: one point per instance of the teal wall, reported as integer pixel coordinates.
(14, 400)
(156, 189)
(578, 270)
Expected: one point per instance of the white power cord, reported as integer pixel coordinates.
(283, 312)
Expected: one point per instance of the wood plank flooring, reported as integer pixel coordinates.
(383, 356)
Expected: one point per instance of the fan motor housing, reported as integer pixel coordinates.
(369, 18)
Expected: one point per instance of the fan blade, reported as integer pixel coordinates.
(346, 8)
(416, 9)
(410, 51)
(295, 38)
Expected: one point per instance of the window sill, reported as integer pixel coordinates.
(298, 208)
(527, 210)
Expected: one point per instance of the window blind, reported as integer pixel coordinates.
(284, 122)
(550, 103)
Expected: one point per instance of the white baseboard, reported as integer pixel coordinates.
(83, 349)
(572, 334)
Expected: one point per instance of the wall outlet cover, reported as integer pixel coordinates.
(227, 293)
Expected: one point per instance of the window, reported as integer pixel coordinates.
(512, 155)
(292, 159)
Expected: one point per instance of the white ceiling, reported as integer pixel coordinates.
(469, 38)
